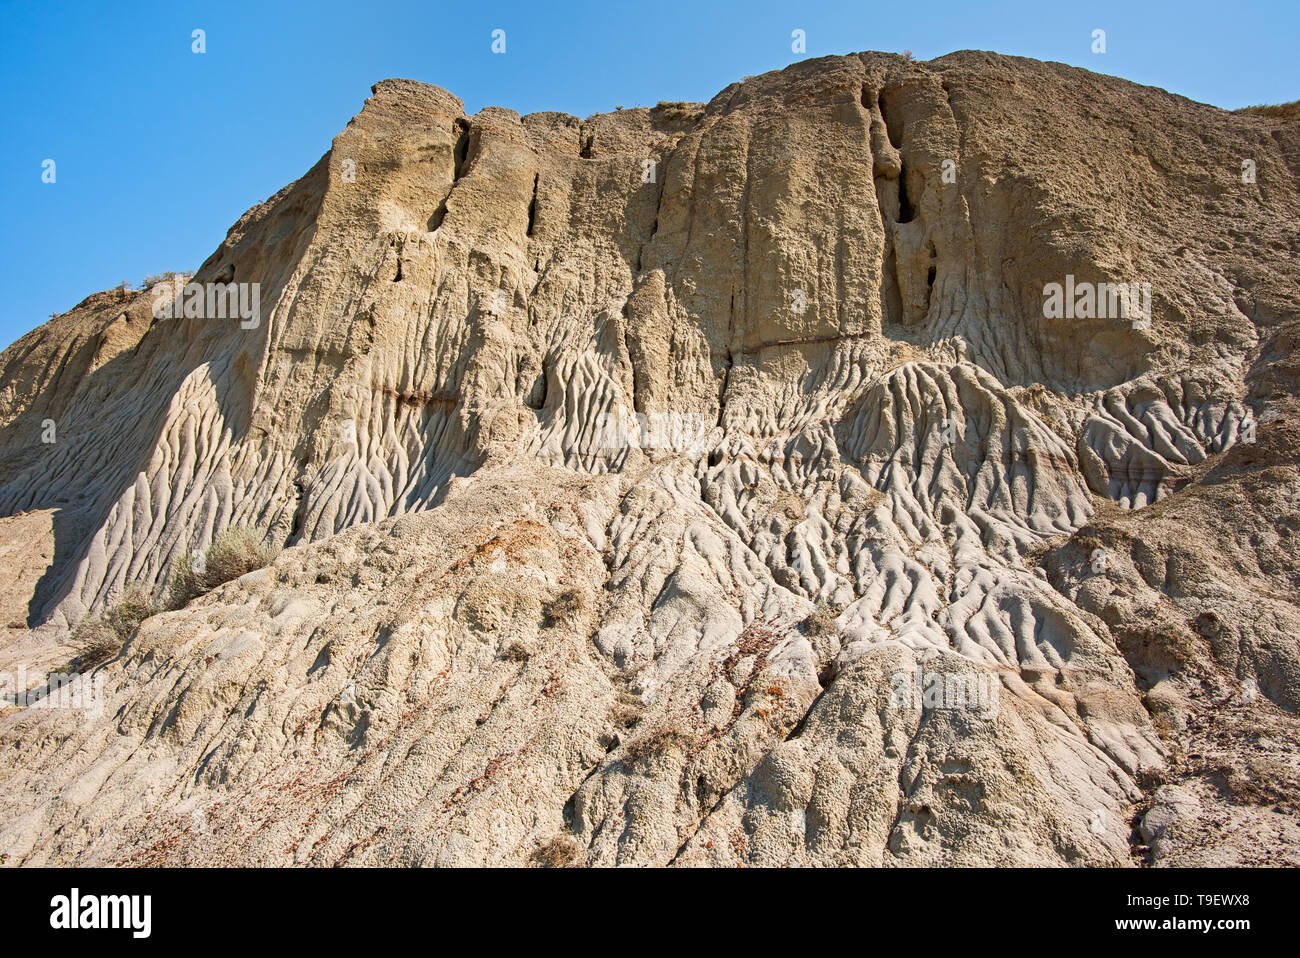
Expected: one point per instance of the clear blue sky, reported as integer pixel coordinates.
(158, 150)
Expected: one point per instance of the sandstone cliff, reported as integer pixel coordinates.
(494, 635)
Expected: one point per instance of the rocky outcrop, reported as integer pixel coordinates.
(628, 468)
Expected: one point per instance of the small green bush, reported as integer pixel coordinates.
(234, 552)
(136, 605)
(185, 583)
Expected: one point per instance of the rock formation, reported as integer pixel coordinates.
(628, 469)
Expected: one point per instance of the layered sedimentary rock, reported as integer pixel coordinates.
(502, 630)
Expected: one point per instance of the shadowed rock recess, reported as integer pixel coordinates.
(493, 635)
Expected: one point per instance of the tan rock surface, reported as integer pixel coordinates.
(495, 635)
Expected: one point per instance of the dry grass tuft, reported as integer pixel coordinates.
(557, 853)
(678, 112)
(1278, 111)
(565, 608)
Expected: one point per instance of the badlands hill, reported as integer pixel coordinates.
(501, 630)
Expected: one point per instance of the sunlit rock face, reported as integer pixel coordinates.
(884, 463)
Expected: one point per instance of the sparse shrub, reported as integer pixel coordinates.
(234, 552)
(516, 652)
(625, 716)
(627, 709)
(98, 640)
(557, 853)
(821, 621)
(136, 605)
(185, 583)
(660, 740)
(679, 112)
(565, 607)
(153, 279)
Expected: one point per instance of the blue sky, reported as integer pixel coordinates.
(158, 149)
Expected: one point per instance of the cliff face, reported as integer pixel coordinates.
(504, 629)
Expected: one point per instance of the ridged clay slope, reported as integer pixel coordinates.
(495, 636)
